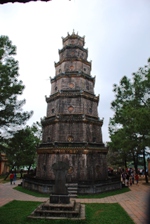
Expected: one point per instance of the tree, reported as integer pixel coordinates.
(11, 114)
(129, 128)
(124, 145)
(21, 149)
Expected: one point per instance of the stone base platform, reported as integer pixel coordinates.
(59, 199)
(82, 188)
(74, 210)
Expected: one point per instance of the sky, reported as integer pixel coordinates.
(117, 36)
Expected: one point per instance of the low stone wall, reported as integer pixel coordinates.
(37, 186)
(86, 188)
(99, 188)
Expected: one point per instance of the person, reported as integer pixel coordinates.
(11, 177)
(123, 177)
(137, 178)
(21, 171)
(132, 176)
(130, 180)
(14, 179)
(127, 179)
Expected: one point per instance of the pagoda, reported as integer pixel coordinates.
(72, 129)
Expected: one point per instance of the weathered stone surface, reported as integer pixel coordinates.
(75, 65)
(73, 210)
(72, 129)
(72, 117)
(73, 52)
(80, 105)
(60, 169)
(82, 167)
(80, 131)
(59, 199)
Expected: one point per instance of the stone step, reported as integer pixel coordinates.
(72, 184)
(72, 189)
(78, 213)
(72, 192)
(66, 213)
(73, 195)
(53, 206)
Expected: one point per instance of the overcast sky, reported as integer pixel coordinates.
(117, 35)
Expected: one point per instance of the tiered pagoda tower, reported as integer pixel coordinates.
(72, 129)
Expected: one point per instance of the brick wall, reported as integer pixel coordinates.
(80, 132)
(72, 83)
(79, 105)
(68, 66)
(85, 167)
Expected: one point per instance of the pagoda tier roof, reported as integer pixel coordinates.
(72, 59)
(72, 93)
(71, 148)
(73, 74)
(73, 36)
(72, 118)
(72, 46)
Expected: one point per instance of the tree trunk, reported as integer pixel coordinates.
(134, 160)
(29, 168)
(125, 163)
(9, 172)
(146, 177)
(136, 163)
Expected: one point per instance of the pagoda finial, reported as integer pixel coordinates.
(73, 32)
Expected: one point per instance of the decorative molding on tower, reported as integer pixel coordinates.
(72, 129)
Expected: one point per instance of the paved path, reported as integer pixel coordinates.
(134, 202)
(7, 194)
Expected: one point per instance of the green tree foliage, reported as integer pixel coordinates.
(11, 114)
(21, 149)
(129, 128)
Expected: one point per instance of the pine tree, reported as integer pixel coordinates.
(11, 114)
(21, 149)
(129, 128)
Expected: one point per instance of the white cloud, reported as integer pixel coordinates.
(116, 34)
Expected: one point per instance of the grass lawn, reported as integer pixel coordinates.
(2, 177)
(105, 194)
(30, 192)
(17, 212)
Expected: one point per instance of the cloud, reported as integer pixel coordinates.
(116, 35)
